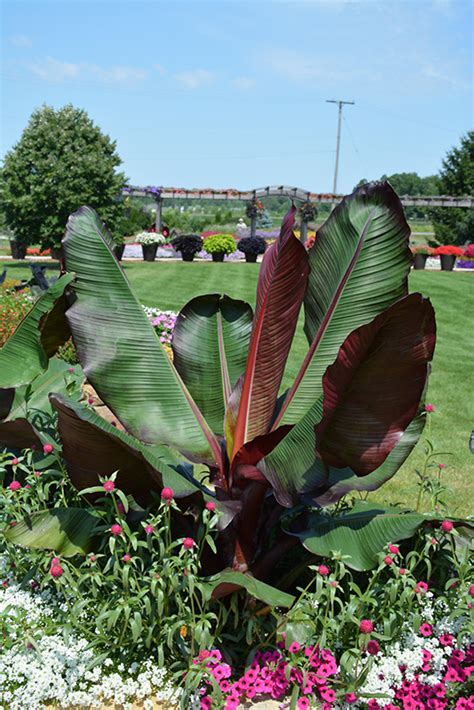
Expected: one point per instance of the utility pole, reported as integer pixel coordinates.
(338, 144)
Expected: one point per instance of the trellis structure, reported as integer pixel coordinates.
(294, 193)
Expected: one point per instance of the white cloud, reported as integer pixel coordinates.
(243, 82)
(159, 68)
(195, 78)
(54, 70)
(302, 68)
(21, 41)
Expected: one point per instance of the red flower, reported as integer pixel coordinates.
(429, 408)
(394, 549)
(56, 570)
(388, 560)
(14, 485)
(421, 588)
(126, 558)
(167, 494)
(366, 626)
(210, 506)
(323, 570)
(449, 250)
(116, 529)
(447, 526)
(109, 486)
(47, 448)
(188, 543)
(373, 647)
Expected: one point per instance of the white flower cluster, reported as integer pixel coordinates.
(38, 667)
(153, 312)
(148, 238)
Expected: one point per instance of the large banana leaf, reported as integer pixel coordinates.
(359, 267)
(361, 533)
(67, 531)
(93, 447)
(27, 351)
(373, 389)
(343, 480)
(29, 413)
(371, 394)
(210, 344)
(281, 288)
(118, 348)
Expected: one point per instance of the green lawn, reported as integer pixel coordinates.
(168, 285)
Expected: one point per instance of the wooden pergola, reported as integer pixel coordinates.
(160, 194)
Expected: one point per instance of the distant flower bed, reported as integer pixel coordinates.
(35, 251)
(447, 250)
(162, 321)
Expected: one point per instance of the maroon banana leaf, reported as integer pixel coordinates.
(373, 389)
(280, 292)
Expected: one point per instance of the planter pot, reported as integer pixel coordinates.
(419, 261)
(447, 262)
(119, 250)
(217, 257)
(251, 258)
(187, 257)
(149, 251)
(18, 249)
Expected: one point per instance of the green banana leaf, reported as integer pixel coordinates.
(362, 533)
(359, 267)
(210, 344)
(36, 338)
(29, 414)
(228, 581)
(67, 531)
(118, 348)
(92, 447)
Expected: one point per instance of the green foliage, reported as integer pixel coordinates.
(135, 219)
(412, 184)
(220, 244)
(453, 225)
(61, 161)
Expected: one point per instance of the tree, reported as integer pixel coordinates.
(62, 161)
(454, 225)
(411, 184)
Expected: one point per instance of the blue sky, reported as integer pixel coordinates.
(232, 94)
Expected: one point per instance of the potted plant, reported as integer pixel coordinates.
(420, 255)
(188, 245)
(447, 254)
(218, 245)
(119, 247)
(150, 241)
(252, 247)
(18, 248)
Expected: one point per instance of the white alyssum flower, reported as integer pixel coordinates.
(40, 665)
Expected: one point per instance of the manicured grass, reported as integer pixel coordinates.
(169, 285)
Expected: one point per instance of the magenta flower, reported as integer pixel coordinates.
(14, 462)
(70, 370)
(90, 400)
(302, 703)
(48, 448)
(350, 698)
(366, 626)
(188, 543)
(394, 549)
(471, 590)
(373, 647)
(446, 526)
(116, 529)
(149, 529)
(446, 639)
(323, 570)
(109, 486)
(441, 466)
(126, 558)
(56, 570)
(426, 630)
(92, 558)
(15, 486)
(294, 647)
(388, 560)
(421, 588)
(402, 570)
(210, 506)
(120, 508)
(429, 408)
(167, 494)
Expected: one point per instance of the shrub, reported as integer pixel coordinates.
(220, 244)
(14, 305)
(469, 251)
(187, 243)
(422, 249)
(252, 245)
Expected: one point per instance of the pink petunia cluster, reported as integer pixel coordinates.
(268, 675)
